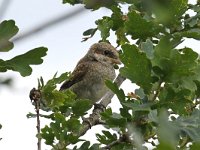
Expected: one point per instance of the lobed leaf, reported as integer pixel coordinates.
(21, 63)
(104, 25)
(139, 28)
(137, 67)
(48, 135)
(147, 47)
(81, 106)
(173, 63)
(119, 92)
(7, 30)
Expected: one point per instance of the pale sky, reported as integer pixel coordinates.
(65, 49)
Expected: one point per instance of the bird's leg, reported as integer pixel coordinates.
(100, 106)
(88, 121)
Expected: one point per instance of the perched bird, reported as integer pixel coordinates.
(88, 78)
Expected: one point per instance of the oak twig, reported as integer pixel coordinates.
(95, 116)
(35, 96)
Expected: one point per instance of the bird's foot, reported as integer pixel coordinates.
(99, 106)
(87, 121)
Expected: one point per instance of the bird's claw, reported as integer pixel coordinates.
(86, 120)
(99, 106)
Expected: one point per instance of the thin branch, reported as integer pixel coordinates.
(37, 108)
(95, 116)
(3, 7)
(35, 95)
(48, 24)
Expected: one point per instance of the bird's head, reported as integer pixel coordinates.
(105, 53)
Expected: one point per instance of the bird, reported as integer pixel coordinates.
(88, 78)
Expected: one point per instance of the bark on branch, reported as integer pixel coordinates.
(94, 118)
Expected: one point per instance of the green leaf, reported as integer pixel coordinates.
(81, 106)
(138, 27)
(60, 79)
(73, 124)
(124, 112)
(147, 47)
(117, 18)
(21, 63)
(195, 146)
(72, 2)
(51, 84)
(116, 120)
(153, 116)
(107, 138)
(170, 11)
(190, 125)
(138, 107)
(113, 119)
(47, 134)
(58, 99)
(107, 113)
(110, 136)
(167, 132)
(104, 26)
(140, 93)
(178, 7)
(119, 92)
(193, 20)
(72, 138)
(102, 139)
(96, 4)
(90, 32)
(176, 99)
(7, 30)
(53, 98)
(174, 64)
(59, 126)
(191, 33)
(137, 67)
(0, 126)
(121, 36)
(85, 145)
(94, 147)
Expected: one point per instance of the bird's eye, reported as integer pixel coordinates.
(108, 53)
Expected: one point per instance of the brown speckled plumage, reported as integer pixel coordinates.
(91, 72)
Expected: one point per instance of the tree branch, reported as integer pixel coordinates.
(35, 95)
(95, 116)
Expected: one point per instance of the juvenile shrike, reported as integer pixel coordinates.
(88, 78)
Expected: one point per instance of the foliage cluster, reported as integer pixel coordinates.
(20, 63)
(163, 111)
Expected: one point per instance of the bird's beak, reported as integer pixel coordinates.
(116, 61)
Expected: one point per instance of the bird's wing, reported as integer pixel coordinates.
(77, 75)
